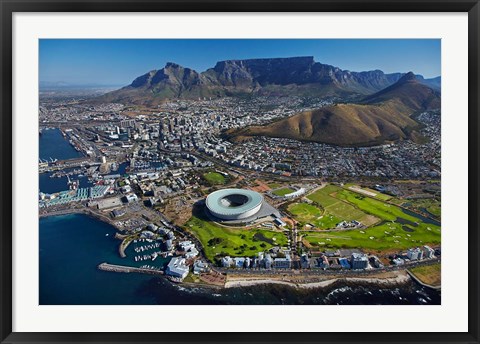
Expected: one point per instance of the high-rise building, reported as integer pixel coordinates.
(415, 254)
(428, 252)
(359, 261)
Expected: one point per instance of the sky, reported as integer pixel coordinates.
(120, 61)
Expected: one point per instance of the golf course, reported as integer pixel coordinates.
(386, 226)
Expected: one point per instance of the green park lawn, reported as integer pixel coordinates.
(214, 178)
(219, 241)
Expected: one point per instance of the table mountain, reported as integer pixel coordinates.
(268, 76)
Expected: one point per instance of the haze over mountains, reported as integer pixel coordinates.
(272, 76)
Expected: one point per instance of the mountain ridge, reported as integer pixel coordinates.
(299, 75)
(383, 116)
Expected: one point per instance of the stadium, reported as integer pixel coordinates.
(238, 206)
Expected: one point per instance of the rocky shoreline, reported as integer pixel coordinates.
(401, 278)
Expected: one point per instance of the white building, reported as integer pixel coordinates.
(186, 245)
(192, 253)
(428, 252)
(199, 267)
(415, 254)
(282, 263)
(359, 261)
(268, 261)
(177, 268)
(247, 262)
(227, 261)
(126, 188)
(296, 193)
(131, 198)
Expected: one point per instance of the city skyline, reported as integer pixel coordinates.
(119, 61)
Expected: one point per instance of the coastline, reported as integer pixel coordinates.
(88, 212)
(401, 278)
(385, 279)
(83, 211)
(416, 279)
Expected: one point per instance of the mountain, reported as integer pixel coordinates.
(268, 76)
(434, 83)
(380, 117)
(172, 81)
(409, 92)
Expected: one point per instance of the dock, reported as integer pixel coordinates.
(128, 269)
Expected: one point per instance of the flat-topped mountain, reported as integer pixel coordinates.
(267, 76)
(383, 116)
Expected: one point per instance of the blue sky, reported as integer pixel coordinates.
(119, 61)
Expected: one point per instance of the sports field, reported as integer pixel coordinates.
(283, 191)
(218, 240)
(307, 213)
(368, 192)
(322, 196)
(214, 178)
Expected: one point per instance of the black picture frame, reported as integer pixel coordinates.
(8, 7)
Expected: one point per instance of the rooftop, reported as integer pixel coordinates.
(233, 201)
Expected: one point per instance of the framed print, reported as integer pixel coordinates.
(217, 172)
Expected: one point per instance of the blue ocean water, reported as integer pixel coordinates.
(51, 185)
(72, 246)
(53, 145)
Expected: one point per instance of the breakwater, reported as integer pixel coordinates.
(128, 269)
